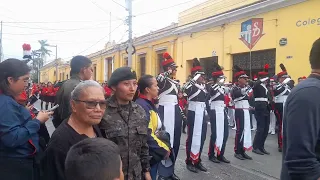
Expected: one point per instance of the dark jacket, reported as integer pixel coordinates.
(63, 99)
(18, 132)
(301, 127)
(157, 148)
(127, 126)
(63, 138)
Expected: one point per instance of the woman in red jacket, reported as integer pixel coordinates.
(50, 95)
(43, 94)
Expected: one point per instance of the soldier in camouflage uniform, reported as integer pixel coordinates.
(125, 123)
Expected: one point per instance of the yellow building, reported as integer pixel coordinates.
(55, 71)
(146, 60)
(249, 34)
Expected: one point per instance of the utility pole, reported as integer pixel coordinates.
(1, 50)
(130, 43)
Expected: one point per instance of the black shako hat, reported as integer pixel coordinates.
(121, 74)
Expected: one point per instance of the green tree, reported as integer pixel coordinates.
(44, 50)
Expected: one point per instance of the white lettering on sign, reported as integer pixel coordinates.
(307, 22)
(256, 29)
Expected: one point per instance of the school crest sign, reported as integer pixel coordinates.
(251, 32)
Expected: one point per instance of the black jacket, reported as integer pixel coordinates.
(63, 138)
(301, 127)
(63, 99)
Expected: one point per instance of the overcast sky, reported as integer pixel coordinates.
(80, 26)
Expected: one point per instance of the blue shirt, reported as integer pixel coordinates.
(18, 132)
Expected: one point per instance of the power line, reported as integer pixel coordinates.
(96, 42)
(119, 4)
(104, 9)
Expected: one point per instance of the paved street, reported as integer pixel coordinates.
(260, 168)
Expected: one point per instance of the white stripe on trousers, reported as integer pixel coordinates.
(198, 108)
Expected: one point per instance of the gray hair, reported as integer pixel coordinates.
(83, 85)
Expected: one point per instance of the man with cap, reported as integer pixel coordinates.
(240, 94)
(125, 123)
(218, 117)
(169, 111)
(196, 92)
(262, 111)
(281, 92)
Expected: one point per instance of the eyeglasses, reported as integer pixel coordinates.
(93, 104)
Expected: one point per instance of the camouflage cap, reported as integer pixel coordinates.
(121, 74)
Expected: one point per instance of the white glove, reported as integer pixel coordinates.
(264, 79)
(244, 91)
(286, 81)
(199, 86)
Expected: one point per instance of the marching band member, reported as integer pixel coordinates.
(240, 94)
(272, 127)
(197, 126)
(262, 111)
(281, 92)
(251, 102)
(169, 112)
(218, 118)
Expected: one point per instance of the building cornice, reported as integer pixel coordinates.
(237, 14)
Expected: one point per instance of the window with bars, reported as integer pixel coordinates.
(258, 60)
(125, 61)
(207, 65)
(109, 67)
(95, 73)
(142, 65)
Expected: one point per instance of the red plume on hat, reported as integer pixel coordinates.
(255, 77)
(168, 61)
(26, 51)
(239, 72)
(283, 72)
(265, 71)
(196, 67)
(217, 70)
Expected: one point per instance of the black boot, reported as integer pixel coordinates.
(239, 156)
(280, 149)
(246, 156)
(258, 151)
(214, 159)
(264, 151)
(163, 178)
(201, 167)
(223, 159)
(174, 177)
(192, 168)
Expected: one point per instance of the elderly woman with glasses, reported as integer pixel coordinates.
(87, 106)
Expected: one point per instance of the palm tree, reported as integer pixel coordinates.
(44, 50)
